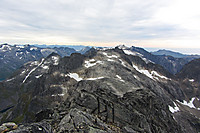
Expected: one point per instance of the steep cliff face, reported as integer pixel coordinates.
(102, 91)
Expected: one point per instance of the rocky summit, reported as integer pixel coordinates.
(105, 90)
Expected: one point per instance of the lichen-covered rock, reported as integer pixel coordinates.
(10, 125)
(3, 129)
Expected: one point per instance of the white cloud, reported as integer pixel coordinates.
(184, 13)
(169, 22)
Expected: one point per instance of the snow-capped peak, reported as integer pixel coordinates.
(122, 46)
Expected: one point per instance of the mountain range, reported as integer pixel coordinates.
(174, 54)
(13, 57)
(166, 59)
(104, 90)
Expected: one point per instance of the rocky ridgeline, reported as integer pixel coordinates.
(105, 90)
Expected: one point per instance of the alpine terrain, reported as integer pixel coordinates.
(13, 57)
(105, 90)
(171, 61)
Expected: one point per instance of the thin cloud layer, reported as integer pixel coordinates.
(173, 23)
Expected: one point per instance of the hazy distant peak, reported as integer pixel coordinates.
(168, 52)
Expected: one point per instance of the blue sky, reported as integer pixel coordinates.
(144, 23)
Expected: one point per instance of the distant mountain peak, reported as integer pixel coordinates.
(169, 53)
(4, 44)
(122, 46)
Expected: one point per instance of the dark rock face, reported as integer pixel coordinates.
(191, 71)
(135, 109)
(101, 91)
(187, 119)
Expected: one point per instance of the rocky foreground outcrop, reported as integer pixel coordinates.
(101, 91)
(5, 127)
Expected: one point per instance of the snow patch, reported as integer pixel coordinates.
(152, 74)
(191, 80)
(61, 94)
(17, 53)
(175, 109)
(75, 76)
(110, 56)
(10, 79)
(92, 62)
(158, 75)
(34, 63)
(78, 78)
(122, 47)
(32, 71)
(94, 78)
(104, 48)
(120, 78)
(45, 67)
(38, 76)
(54, 95)
(18, 46)
(189, 104)
(129, 52)
(146, 72)
(110, 60)
(23, 72)
(147, 61)
(33, 48)
(135, 76)
(123, 63)
(3, 47)
(55, 60)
